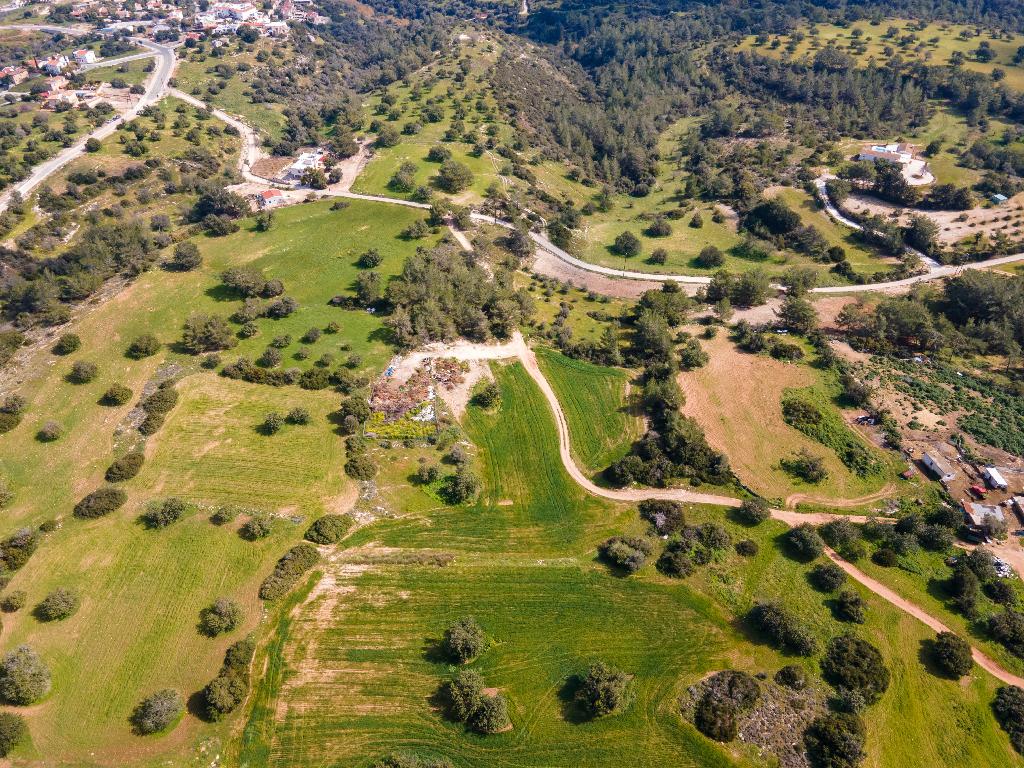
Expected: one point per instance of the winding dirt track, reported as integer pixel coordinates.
(518, 349)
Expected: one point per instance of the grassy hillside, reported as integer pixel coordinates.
(356, 668)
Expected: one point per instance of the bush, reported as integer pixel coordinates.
(782, 628)
(225, 692)
(255, 528)
(854, 664)
(67, 344)
(224, 515)
(753, 512)
(828, 577)
(665, 515)
(602, 690)
(24, 678)
(488, 396)
(222, 616)
(49, 432)
(125, 468)
(161, 514)
(293, 563)
(13, 601)
(298, 416)
(361, 467)
(792, 676)
(952, 655)
(727, 695)
(328, 529)
(804, 543)
(850, 607)
(117, 394)
(82, 372)
(710, 257)
(60, 604)
(370, 259)
(1007, 628)
(626, 552)
(490, 715)
(747, 548)
(884, 557)
(143, 346)
(186, 257)
(157, 712)
(836, 740)
(272, 424)
(463, 640)
(101, 502)
(13, 732)
(627, 244)
(161, 401)
(16, 549)
(676, 560)
(1009, 711)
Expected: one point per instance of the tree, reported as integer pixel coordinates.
(488, 396)
(82, 372)
(93, 145)
(836, 740)
(100, 502)
(13, 732)
(626, 552)
(157, 712)
(664, 514)
(161, 514)
(255, 528)
(463, 640)
(828, 577)
(314, 178)
(923, 234)
(727, 695)
(13, 601)
(854, 664)
(67, 343)
(804, 542)
(627, 244)
(710, 257)
(186, 257)
(143, 346)
(797, 315)
(753, 511)
(952, 655)
(223, 615)
(850, 607)
(328, 529)
(206, 333)
(24, 678)
(388, 136)
(465, 691)
(453, 176)
(806, 466)
(490, 715)
(116, 394)
(1009, 711)
(60, 604)
(602, 690)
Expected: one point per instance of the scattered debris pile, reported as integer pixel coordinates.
(395, 400)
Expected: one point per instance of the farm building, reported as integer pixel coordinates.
(980, 517)
(269, 198)
(901, 154)
(940, 466)
(998, 199)
(994, 479)
(306, 161)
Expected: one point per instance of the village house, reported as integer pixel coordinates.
(306, 161)
(14, 75)
(994, 479)
(52, 65)
(982, 518)
(85, 56)
(940, 466)
(270, 198)
(901, 154)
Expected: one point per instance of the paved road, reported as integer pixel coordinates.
(155, 90)
(116, 61)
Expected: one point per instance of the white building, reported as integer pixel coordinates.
(938, 464)
(306, 161)
(270, 198)
(53, 65)
(901, 154)
(994, 479)
(85, 56)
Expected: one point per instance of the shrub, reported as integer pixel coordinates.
(747, 548)
(884, 557)
(272, 424)
(255, 528)
(67, 344)
(186, 257)
(727, 695)
(60, 604)
(101, 502)
(17, 548)
(710, 257)
(465, 691)
(1009, 711)
(361, 467)
(161, 401)
(488, 396)
(161, 514)
(626, 552)
(463, 640)
(676, 560)
(125, 468)
(844, 537)
(753, 512)
(13, 601)
(952, 655)
(828, 577)
(850, 607)
(627, 244)
(24, 678)
(1008, 628)
(157, 712)
(792, 676)
(804, 543)
(836, 740)
(293, 563)
(143, 346)
(490, 715)
(368, 260)
(49, 432)
(665, 515)
(152, 423)
(117, 394)
(225, 692)
(782, 628)
(224, 515)
(854, 664)
(6, 491)
(328, 529)
(602, 690)
(13, 732)
(223, 615)
(82, 372)
(298, 416)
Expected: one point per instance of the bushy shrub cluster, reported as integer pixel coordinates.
(17, 548)
(125, 468)
(328, 529)
(463, 640)
(470, 705)
(157, 406)
(157, 712)
(223, 615)
(60, 604)
(289, 569)
(227, 690)
(693, 546)
(626, 552)
(782, 628)
(101, 502)
(727, 696)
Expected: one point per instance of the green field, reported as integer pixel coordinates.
(355, 673)
(596, 407)
(132, 72)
